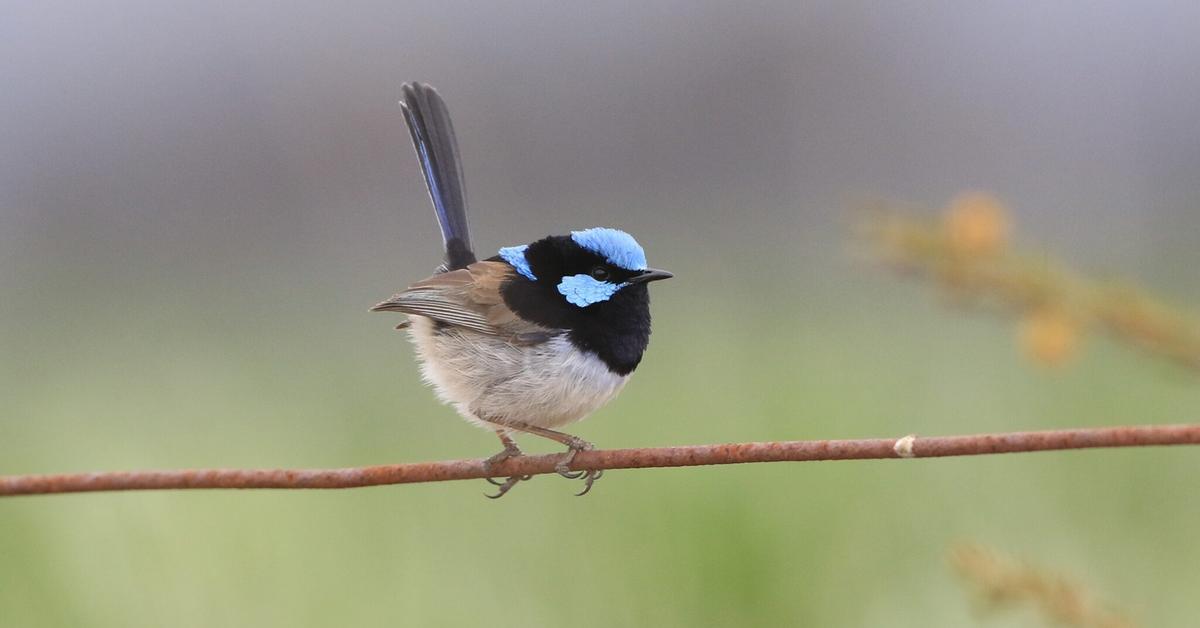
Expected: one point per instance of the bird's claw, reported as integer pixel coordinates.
(567, 473)
(505, 486)
(563, 467)
(589, 477)
(510, 451)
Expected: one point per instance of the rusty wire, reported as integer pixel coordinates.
(686, 456)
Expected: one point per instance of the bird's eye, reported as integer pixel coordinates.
(599, 273)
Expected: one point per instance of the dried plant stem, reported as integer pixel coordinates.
(695, 455)
(968, 254)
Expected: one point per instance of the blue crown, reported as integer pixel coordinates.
(618, 247)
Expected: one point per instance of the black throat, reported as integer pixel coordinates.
(617, 330)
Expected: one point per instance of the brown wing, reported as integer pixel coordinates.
(468, 298)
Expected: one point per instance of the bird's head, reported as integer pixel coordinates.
(586, 268)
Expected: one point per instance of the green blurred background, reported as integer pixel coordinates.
(198, 203)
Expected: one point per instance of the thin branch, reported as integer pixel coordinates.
(695, 455)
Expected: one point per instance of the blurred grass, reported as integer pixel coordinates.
(828, 544)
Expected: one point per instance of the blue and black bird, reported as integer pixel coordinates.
(534, 338)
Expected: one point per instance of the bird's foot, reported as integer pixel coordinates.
(506, 485)
(510, 451)
(563, 468)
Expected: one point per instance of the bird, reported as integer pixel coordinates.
(531, 339)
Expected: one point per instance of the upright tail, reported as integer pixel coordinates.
(433, 136)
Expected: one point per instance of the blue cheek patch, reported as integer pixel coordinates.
(515, 255)
(583, 290)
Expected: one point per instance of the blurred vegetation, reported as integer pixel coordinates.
(969, 254)
(1001, 582)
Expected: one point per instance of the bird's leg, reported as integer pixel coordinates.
(510, 451)
(574, 446)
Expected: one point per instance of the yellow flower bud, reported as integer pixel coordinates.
(1049, 336)
(976, 224)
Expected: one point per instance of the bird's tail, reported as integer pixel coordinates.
(433, 136)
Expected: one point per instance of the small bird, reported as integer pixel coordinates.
(536, 337)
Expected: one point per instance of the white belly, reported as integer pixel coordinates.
(489, 380)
